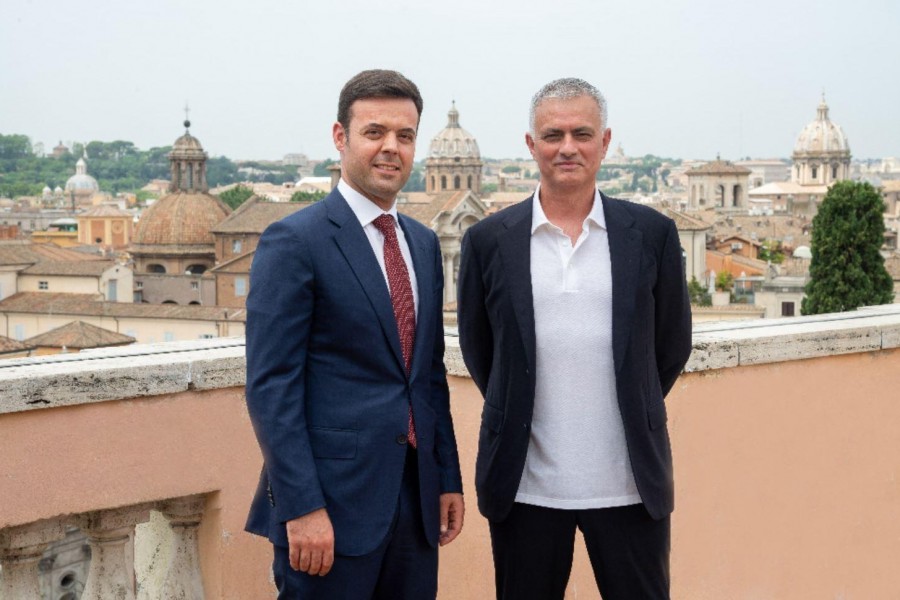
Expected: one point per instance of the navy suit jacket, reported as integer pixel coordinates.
(327, 389)
(651, 343)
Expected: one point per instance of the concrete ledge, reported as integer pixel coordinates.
(154, 369)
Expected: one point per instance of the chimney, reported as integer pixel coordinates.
(335, 170)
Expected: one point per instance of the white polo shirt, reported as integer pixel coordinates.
(577, 454)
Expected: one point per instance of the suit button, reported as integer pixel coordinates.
(401, 439)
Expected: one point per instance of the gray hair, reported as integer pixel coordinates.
(568, 87)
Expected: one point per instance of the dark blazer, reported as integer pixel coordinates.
(651, 343)
(327, 390)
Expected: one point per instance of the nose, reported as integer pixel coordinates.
(568, 147)
(390, 143)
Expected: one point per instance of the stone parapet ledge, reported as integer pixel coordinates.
(722, 345)
(152, 369)
(120, 373)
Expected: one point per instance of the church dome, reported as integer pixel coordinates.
(454, 141)
(184, 218)
(81, 182)
(822, 136)
(187, 146)
(180, 219)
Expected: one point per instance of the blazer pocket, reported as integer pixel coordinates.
(492, 418)
(332, 443)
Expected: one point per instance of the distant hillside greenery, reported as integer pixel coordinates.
(117, 166)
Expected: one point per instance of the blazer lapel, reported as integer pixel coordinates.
(355, 246)
(423, 263)
(625, 246)
(515, 252)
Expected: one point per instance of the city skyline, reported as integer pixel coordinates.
(688, 81)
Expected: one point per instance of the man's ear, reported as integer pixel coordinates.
(339, 135)
(529, 141)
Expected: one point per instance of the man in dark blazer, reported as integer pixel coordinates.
(574, 323)
(346, 386)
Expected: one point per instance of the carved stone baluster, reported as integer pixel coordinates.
(183, 577)
(111, 535)
(21, 548)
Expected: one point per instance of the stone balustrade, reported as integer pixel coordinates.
(113, 535)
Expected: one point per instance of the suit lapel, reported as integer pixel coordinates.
(423, 263)
(515, 252)
(625, 245)
(355, 246)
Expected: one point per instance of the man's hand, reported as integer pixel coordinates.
(453, 509)
(311, 542)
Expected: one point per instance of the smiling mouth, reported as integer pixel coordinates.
(387, 167)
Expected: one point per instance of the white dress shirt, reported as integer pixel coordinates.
(367, 211)
(577, 455)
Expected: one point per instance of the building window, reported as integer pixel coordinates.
(19, 332)
(443, 182)
(834, 172)
(139, 285)
(207, 336)
(787, 309)
(195, 285)
(156, 268)
(470, 182)
(168, 336)
(43, 285)
(815, 172)
(236, 246)
(240, 286)
(456, 182)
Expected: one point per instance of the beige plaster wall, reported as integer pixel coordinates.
(60, 283)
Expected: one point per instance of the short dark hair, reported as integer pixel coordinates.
(376, 83)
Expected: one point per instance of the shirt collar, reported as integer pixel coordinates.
(365, 210)
(539, 218)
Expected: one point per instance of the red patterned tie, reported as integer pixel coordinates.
(401, 298)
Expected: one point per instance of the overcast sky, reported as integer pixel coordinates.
(683, 79)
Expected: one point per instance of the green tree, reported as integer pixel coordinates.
(772, 251)
(236, 196)
(724, 281)
(847, 270)
(321, 169)
(301, 196)
(698, 294)
(511, 169)
(416, 181)
(14, 146)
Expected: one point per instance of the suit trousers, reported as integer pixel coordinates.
(403, 567)
(628, 549)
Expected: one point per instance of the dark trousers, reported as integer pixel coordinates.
(533, 547)
(403, 567)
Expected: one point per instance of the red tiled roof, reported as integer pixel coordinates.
(78, 335)
(93, 305)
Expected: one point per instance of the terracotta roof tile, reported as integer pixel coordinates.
(78, 335)
(255, 215)
(10, 345)
(88, 268)
(93, 305)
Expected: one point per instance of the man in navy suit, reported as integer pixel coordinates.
(574, 323)
(346, 386)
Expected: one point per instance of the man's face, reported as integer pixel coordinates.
(378, 147)
(568, 142)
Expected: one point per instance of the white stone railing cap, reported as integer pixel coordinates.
(153, 369)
